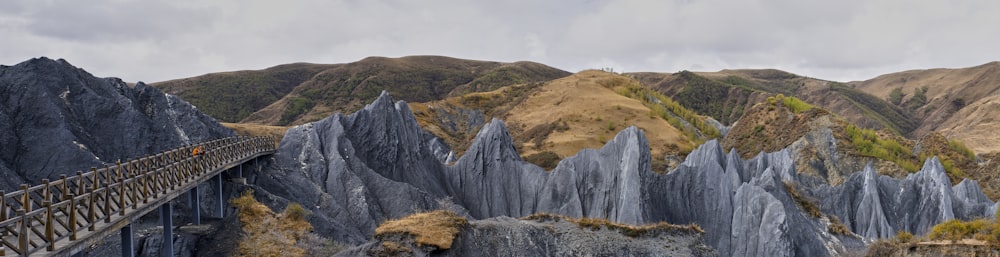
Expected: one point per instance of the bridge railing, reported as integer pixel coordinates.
(36, 217)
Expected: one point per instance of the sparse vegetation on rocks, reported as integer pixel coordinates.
(435, 228)
(271, 234)
(628, 230)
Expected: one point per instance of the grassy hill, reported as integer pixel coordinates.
(726, 94)
(299, 93)
(780, 122)
(960, 103)
(232, 96)
(552, 120)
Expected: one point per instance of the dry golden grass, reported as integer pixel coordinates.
(627, 230)
(436, 228)
(593, 113)
(246, 129)
(559, 117)
(268, 233)
(975, 120)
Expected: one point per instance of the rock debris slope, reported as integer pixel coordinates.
(358, 170)
(58, 119)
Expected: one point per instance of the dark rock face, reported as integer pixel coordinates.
(356, 171)
(57, 119)
(505, 236)
(877, 206)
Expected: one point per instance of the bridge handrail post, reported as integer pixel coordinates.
(121, 198)
(3, 209)
(72, 218)
(92, 210)
(63, 186)
(22, 235)
(49, 227)
(46, 190)
(80, 187)
(107, 195)
(25, 198)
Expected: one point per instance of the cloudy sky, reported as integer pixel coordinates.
(845, 40)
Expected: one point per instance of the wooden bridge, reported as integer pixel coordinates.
(65, 216)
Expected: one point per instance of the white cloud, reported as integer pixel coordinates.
(842, 40)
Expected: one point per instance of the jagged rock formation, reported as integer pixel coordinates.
(505, 236)
(358, 170)
(57, 119)
(877, 206)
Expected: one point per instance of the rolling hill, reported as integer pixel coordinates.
(959, 103)
(726, 94)
(556, 119)
(299, 93)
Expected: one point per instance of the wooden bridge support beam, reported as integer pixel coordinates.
(217, 190)
(195, 203)
(167, 218)
(128, 242)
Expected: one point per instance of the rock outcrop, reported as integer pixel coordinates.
(505, 236)
(58, 119)
(358, 170)
(876, 206)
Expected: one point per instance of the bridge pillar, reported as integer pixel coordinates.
(195, 203)
(217, 190)
(240, 174)
(128, 245)
(167, 218)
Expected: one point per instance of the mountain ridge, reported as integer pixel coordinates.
(299, 93)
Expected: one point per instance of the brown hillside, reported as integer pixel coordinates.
(786, 122)
(960, 103)
(726, 94)
(553, 120)
(232, 96)
(298, 93)
(348, 87)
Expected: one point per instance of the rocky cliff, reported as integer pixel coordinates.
(57, 119)
(358, 170)
(876, 206)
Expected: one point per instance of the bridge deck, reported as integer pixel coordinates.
(62, 217)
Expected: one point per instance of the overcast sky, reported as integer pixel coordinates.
(844, 40)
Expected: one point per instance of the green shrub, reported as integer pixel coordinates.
(868, 143)
(957, 230)
(669, 110)
(903, 237)
(296, 212)
(796, 105)
(896, 96)
(961, 148)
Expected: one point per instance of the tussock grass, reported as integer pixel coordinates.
(436, 228)
(272, 234)
(806, 204)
